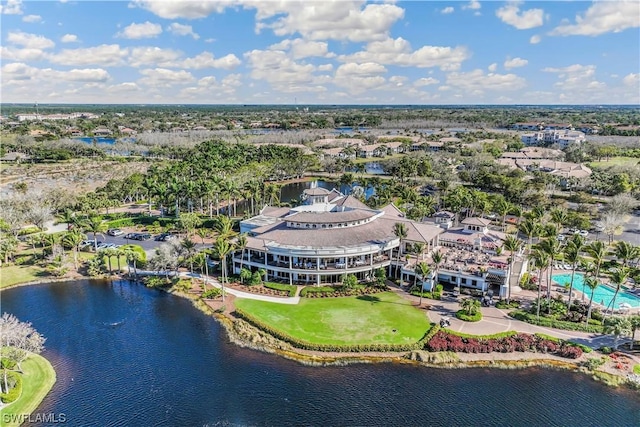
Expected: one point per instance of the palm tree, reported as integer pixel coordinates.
(108, 253)
(189, 248)
(202, 233)
(73, 239)
(513, 245)
(559, 217)
(224, 226)
(95, 226)
(223, 248)
(502, 208)
(572, 254)
(551, 247)
(540, 261)
(618, 277)
(625, 251)
(422, 269)
(436, 259)
(400, 231)
(618, 326)
(598, 251)
(419, 248)
(530, 229)
(590, 282)
(241, 243)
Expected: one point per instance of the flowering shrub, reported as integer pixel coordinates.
(445, 341)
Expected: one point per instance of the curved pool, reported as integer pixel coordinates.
(602, 295)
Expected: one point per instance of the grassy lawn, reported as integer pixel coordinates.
(346, 320)
(37, 380)
(615, 161)
(14, 274)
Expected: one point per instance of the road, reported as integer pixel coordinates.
(631, 230)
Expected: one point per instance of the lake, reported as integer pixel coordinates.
(126, 355)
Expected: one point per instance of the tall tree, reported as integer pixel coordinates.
(223, 248)
(618, 277)
(436, 258)
(572, 252)
(422, 269)
(513, 245)
(400, 231)
(72, 239)
(95, 226)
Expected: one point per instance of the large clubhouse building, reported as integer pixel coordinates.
(331, 235)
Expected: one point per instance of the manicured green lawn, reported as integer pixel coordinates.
(37, 380)
(347, 320)
(13, 274)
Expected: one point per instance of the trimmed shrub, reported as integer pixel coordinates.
(443, 340)
(475, 317)
(212, 293)
(156, 282)
(290, 289)
(118, 223)
(15, 391)
(552, 323)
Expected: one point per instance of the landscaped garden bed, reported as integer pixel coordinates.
(272, 289)
(521, 342)
(340, 291)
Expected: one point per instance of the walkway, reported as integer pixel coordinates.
(495, 320)
(231, 291)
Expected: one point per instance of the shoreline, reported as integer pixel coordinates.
(244, 335)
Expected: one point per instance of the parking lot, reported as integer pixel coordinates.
(149, 245)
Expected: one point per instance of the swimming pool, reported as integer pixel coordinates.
(602, 294)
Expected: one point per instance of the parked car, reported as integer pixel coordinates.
(115, 232)
(131, 236)
(165, 237)
(106, 246)
(85, 243)
(583, 233)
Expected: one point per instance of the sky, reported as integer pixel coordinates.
(320, 52)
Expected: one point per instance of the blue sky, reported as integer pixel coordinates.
(329, 52)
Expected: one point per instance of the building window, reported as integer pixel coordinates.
(474, 283)
(463, 280)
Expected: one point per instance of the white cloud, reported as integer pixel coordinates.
(632, 79)
(184, 9)
(207, 60)
(153, 56)
(576, 77)
(69, 38)
(358, 78)
(473, 5)
(493, 67)
(140, 31)
(351, 20)
(104, 55)
(29, 41)
(477, 81)
(399, 52)
(300, 48)
(13, 7)
(32, 19)
(510, 14)
(514, 63)
(447, 10)
(325, 67)
(603, 17)
(21, 71)
(182, 30)
(126, 88)
(535, 39)
(162, 77)
(426, 81)
(282, 72)
(21, 54)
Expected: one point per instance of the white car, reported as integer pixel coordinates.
(561, 237)
(583, 233)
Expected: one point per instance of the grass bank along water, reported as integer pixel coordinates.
(37, 380)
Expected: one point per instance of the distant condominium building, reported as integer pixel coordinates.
(563, 138)
(331, 235)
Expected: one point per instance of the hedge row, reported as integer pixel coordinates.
(557, 324)
(521, 342)
(15, 392)
(306, 345)
(505, 334)
(584, 348)
(330, 291)
(290, 289)
(323, 290)
(118, 223)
